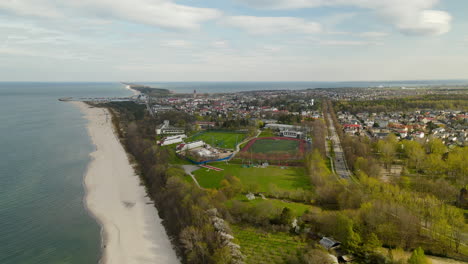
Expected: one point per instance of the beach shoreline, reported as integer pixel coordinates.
(135, 92)
(131, 230)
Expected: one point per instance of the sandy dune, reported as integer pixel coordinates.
(132, 230)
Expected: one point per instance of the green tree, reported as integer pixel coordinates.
(415, 154)
(222, 256)
(231, 186)
(286, 216)
(418, 257)
(436, 146)
(344, 231)
(387, 149)
(371, 243)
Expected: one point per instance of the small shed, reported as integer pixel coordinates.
(250, 196)
(329, 243)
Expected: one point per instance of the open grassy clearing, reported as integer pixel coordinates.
(275, 146)
(173, 159)
(267, 133)
(298, 209)
(289, 178)
(221, 139)
(262, 247)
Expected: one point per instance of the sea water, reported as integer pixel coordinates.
(44, 153)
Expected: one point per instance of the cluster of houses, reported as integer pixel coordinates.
(450, 126)
(238, 105)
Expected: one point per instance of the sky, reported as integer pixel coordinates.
(233, 40)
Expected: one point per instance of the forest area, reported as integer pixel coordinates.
(434, 102)
(423, 204)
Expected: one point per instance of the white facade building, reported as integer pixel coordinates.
(165, 128)
(172, 140)
(292, 134)
(192, 145)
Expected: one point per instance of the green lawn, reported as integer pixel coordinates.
(267, 133)
(275, 145)
(221, 139)
(298, 209)
(173, 159)
(289, 178)
(262, 247)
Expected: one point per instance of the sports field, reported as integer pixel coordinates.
(220, 139)
(289, 178)
(273, 148)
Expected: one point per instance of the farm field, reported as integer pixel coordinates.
(289, 178)
(262, 247)
(220, 139)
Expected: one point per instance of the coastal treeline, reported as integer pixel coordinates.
(435, 102)
(198, 234)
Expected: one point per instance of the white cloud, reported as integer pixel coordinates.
(161, 13)
(348, 43)
(220, 44)
(273, 25)
(176, 43)
(373, 34)
(284, 4)
(426, 22)
(415, 17)
(272, 48)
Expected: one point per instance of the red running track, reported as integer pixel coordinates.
(251, 142)
(211, 167)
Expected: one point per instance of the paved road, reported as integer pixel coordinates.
(245, 140)
(340, 163)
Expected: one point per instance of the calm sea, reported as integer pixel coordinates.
(223, 87)
(44, 152)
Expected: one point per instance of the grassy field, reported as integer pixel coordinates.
(298, 209)
(275, 146)
(262, 247)
(221, 139)
(267, 133)
(173, 159)
(289, 178)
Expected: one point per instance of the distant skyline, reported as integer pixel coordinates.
(233, 40)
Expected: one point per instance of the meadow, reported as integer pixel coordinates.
(262, 247)
(297, 209)
(288, 178)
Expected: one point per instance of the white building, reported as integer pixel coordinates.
(172, 140)
(292, 134)
(191, 145)
(165, 128)
(282, 127)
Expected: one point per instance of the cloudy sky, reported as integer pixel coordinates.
(233, 40)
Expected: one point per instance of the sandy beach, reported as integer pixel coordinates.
(131, 229)
(135, 92)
